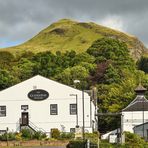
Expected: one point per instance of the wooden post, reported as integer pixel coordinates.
(7, 136)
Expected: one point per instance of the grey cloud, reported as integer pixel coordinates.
(22, 19)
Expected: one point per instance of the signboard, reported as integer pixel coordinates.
(38, 94)
(78, 132)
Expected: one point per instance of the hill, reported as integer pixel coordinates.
(78, 36)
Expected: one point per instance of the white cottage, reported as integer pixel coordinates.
(136, 113)
(42, 104)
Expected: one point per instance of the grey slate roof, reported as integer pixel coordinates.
(140, 88)
(140, 125)
(140, 103)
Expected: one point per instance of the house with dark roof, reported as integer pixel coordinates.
(136, 113)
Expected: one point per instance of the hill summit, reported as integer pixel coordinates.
(78, 36)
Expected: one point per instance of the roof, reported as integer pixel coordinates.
(140, 89)
(140, 125)
(55, 89)
(140, 103)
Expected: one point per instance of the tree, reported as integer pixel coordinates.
(111, 75)
(110, 49)
(6, 58)
(98, 75)
(6, 79)
(24, 69)
(73, 73)
(143, 64)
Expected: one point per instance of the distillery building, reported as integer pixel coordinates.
(135, 115)
(43, 104)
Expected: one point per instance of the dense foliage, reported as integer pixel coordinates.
(25, 134)
(143, 64)
(134, 140)
(106, 65)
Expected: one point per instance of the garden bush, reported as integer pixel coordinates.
(18, 136)
(39, 135)
(93, 137)
(27, 134)
(55, 133)
(7, 136)
(76, 144)
(67, 135)
(134, 140)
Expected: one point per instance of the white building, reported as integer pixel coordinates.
(43, 104)
(136, 114)
(134, 118)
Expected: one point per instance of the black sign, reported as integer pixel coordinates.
(38, 94)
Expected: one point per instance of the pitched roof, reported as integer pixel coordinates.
(55, 89)
(140, 125)
(140, 103)
(140, 88)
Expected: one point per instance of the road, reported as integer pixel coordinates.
(46, 147)
(40, 147)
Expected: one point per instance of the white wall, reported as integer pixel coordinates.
(39, 111)
(131, 119)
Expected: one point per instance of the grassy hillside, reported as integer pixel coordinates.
(78, 36)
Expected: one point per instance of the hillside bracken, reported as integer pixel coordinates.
(66, 35)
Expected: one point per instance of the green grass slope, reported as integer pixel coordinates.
(78, 36)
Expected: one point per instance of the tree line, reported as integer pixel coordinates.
(106, 65)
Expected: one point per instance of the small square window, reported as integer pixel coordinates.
(24, 107)
(2, 111)
(73, 109)
(53, 109)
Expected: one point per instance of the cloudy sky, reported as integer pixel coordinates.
(22, 19)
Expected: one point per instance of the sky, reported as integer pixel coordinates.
(20, 20)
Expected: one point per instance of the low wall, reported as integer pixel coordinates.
(33, 143)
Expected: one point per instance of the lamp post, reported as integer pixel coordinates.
(143, 117)
(83, 130)
(7, 136)
(83, 127)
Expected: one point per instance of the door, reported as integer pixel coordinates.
(25, 118)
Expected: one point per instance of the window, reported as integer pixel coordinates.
(72, 130)
(24, 107)
(2, 111)
(53, 109)
(73, 109)
(2, 132)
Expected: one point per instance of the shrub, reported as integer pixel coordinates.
(76, 144)
(27, 134)
(134, 140)
(39, 135)
(7, 136)
(55, 133)
(18, 136)
(93, 137)
(105, 144)
(67, 135)
(11, 136)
